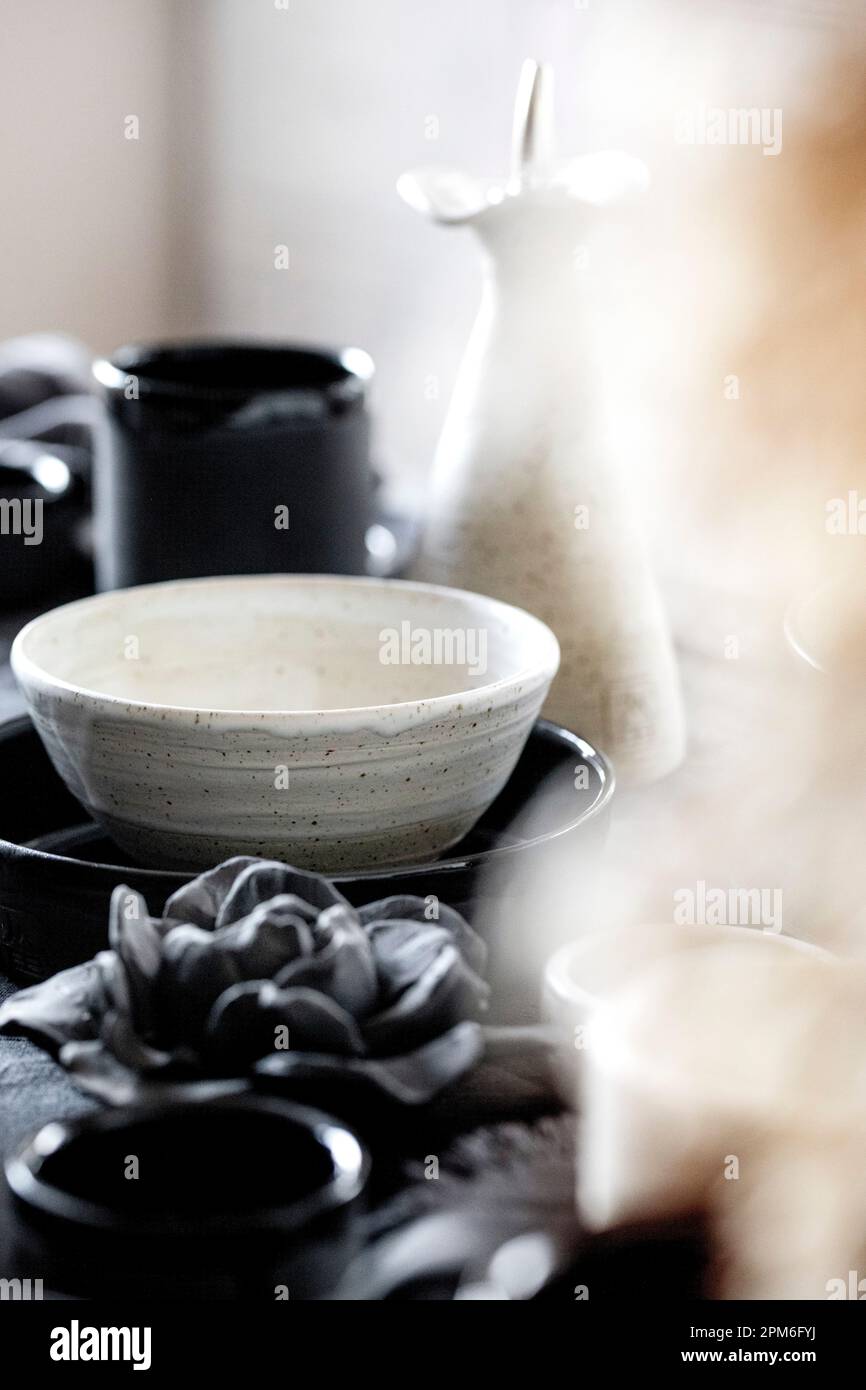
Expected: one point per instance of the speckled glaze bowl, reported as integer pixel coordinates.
(334, 723)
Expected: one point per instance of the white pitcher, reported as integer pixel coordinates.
(528, 502)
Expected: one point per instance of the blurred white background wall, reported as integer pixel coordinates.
(307, 116)
(271, 123)
(86, 225)
(266, 124)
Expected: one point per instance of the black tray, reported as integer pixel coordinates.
(58, 869)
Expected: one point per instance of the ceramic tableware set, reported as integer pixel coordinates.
(242, 686)
(196, 720)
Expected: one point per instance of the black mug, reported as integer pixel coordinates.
(231, 458)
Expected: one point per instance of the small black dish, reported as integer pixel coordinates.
(58, 870)
(236, 1196)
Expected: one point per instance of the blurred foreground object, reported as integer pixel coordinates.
(733, 1079)
(528, 500)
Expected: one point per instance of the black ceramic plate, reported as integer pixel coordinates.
(58, 870)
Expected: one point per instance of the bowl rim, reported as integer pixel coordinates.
(792, 628)
(561, 987)
(797, 611)
(29, 672)
(352, 366)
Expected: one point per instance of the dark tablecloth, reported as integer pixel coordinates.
(33, 1088)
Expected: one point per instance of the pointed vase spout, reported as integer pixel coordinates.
(533, 142)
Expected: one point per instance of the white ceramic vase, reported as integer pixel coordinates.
(528, 501)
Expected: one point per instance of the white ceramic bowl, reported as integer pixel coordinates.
(293, 717)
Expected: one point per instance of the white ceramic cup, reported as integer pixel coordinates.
(583, 973)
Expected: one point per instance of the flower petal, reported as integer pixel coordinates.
(344, 968)
(199, 901)
(411, 1079)
(137, 940)
(245, 1021)
(63, 1009)
(123, 1042)
(443, 996)
(269, 938)
(193, 974)
(115, 984)
(403, 951)
(98, 1072)
(263, 879)
(404, 907)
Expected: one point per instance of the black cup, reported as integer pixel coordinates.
(232, 458)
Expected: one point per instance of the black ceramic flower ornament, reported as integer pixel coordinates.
(258, 966)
